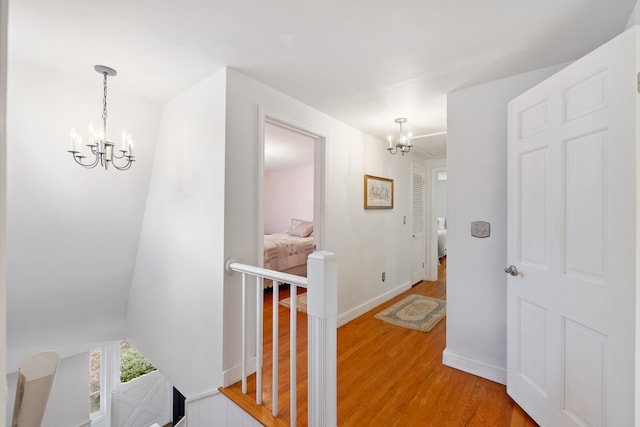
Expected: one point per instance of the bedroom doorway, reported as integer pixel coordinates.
(439, 217)
(292, 195)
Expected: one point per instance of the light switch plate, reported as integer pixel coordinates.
(480, 229)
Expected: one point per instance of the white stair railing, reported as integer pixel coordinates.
(321, 285)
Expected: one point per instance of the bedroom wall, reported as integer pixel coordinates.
(366, 242)
(288, 193)
(175, 307)
(477, 190)
(68, 403)
(72, 233)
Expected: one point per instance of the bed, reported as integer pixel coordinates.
(288, 251)
(442, 237)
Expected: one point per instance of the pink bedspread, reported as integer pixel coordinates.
(282, 251)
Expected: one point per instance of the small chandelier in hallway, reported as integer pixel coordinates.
(402, 142)
(103, 150)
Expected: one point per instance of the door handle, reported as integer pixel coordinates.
(512, 270)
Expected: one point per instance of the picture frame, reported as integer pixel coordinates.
(378, 192)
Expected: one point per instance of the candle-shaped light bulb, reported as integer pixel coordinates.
(409, 139)
(130, 151)
(74, 137)
(92, 129)
(124, 140)
(390, 141)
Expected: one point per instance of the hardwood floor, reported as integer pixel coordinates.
(388, 376)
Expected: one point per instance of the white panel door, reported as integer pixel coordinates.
(571, 308)
(418, 246)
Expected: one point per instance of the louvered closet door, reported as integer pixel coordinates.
(417, 223)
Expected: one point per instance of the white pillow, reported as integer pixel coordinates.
(300, 228)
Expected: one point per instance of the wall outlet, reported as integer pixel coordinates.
(383, 276)
(480, 229)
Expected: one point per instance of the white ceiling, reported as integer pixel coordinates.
(285, 148)
(362, 62)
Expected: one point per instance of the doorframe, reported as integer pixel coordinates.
(319, 175)
(431, 239)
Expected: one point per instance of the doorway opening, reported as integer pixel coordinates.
(292, 195)
(438, 220)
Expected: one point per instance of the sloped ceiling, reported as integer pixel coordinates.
(362, 62)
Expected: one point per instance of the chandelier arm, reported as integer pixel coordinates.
(125, 166)
(121, 156)
(79, 158)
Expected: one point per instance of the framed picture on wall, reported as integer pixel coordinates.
(378, 192)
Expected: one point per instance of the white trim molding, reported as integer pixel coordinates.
(355, 312)
(234, 374)
(475, 367)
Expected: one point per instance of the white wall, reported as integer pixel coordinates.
(366, 242)
(3, 210)
(477, 190)
(72, 232)
(68, 403)
(175, 307)
(288, 193)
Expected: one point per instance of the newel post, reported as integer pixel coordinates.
(322, 308)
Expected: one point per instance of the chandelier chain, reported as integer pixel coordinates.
(104, 103)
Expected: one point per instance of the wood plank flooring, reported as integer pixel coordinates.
(387, 376)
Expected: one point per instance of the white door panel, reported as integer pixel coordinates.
(572, 236)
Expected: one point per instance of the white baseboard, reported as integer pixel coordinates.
(348, 316)
(475, 367)
(234, 374)
(201, 396)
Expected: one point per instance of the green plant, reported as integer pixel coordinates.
(134, 365)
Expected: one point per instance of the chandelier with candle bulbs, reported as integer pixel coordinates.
(402, 142)
(103, 151)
